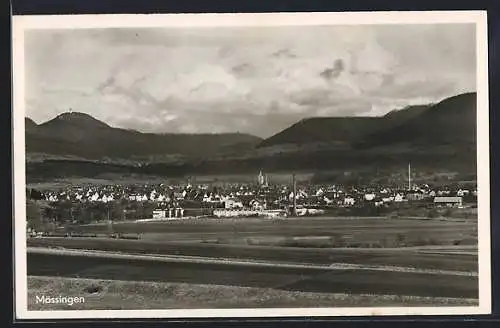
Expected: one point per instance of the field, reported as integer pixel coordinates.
(373, 232)
(119, 295)
(331, 256)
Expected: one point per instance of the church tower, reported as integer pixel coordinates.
(260, 179)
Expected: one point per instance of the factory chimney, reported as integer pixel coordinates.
(294, 182)
(409, 176)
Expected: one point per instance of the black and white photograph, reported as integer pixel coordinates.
(251, 165)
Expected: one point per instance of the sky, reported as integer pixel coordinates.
(256, 80)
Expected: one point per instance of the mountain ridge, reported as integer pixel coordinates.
(81, 135)
(436, 136)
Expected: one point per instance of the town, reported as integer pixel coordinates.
(152, 202)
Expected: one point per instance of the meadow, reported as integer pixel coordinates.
(377, 241)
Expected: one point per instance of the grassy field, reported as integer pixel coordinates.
(357, 257)
(305, 232)
(376, 241)
(133, 295)
(394, 257)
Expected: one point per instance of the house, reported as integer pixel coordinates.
(159, 214)
(349, 201)
(369, 197)
(179, 195)
(232, 203)
(327, 200)
(448, 201)
(257, 205)
(94, 197)
(162, 214)
(398, 198)
(415, 196)
(178, 212)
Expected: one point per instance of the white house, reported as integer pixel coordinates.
(369, 197)
(94, 197)
(448, 201)
(159, 214)
(257, 205)
(232, 203)
(349, 201)
(327, 200)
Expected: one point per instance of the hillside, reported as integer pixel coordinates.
(324, 129)
(433, 137)
(81, 135)
(340, 130)
(29, 124)
(451, 122)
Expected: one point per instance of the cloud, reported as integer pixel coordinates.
(335, 71)
(255, 80)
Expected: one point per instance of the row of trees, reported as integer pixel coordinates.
(44, 216)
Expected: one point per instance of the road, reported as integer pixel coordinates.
(314, 279)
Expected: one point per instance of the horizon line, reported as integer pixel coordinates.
(71, 111)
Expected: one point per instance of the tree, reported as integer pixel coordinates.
(35, 194)
(116, 210)
(36, 218)
(33, 215)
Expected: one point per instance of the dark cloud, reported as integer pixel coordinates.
(335, 71)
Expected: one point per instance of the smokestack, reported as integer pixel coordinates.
(294, 182)
(409, 176)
